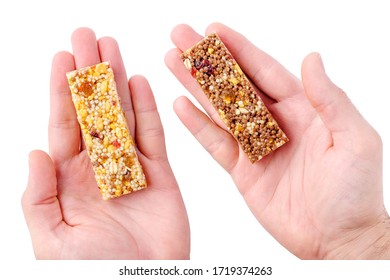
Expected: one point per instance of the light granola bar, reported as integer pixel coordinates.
(234, 98)
(104, 129)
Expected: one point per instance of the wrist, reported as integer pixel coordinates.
(370, 242)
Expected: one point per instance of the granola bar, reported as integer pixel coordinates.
(109, 144)
(234, 97)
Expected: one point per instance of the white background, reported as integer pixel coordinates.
(352, 37)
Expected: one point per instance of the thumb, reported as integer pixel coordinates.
(331, 103)
(40, 205)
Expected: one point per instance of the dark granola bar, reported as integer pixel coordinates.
(234, 98)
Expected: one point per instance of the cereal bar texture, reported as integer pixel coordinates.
(234, 98)
(104, 129)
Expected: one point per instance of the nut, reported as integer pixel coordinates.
(243, 110)
(83, 113)
(107, 107)
(104, 87)
(238, 69)
(188, 64)
(101, 68)
(234, 80)
(88, 140)
(111, 148)
(100, 124)
(118, 132)
(113, 167)
(127, 144)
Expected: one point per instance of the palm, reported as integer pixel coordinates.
(63, 207)
(133, 226)
(296, 186)
(305, 194)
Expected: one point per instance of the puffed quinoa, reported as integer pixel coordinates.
(234, 98)
(104, 129)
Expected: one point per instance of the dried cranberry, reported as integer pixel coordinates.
(95, 134)
(116, 144)
(210, 70)
(204, 64)
(193, 72)
(198, 64)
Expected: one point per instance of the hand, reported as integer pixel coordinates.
(320, 195)
(65, 213)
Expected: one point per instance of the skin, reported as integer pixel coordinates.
(321, 194)
(63, 208)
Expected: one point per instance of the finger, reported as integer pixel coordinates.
(149, 132)
(263, 70)
(64, 130)
(175, 64)
(40, 205)
(331, 103)
(85, 49)
(218, 142)
(184, 37)
(109, 51)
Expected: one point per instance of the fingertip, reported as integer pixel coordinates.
(109, 49)
(215, 27)
(181, 104)
(62, 56)
(85, 48)
(184, 36)
(179, 29)
(41, 179)
(170, 56)
(108, 40)
(62, 61)
(315, 80)
(139, 86)
(36, 154)
(330, 101)
(312, 60)
(142, 94)
(82, 32)
(138, 79)
(38, 159)
(188, 113)
(33, 158)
